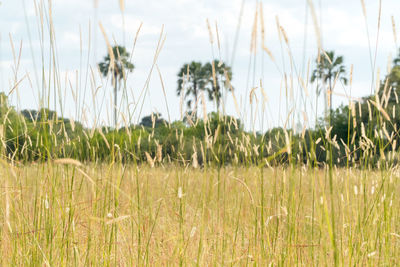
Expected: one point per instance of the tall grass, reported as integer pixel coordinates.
(94, 195)
(89, 215)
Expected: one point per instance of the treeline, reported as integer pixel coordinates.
(361, 134)
(364, 132)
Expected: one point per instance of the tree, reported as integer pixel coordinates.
(223, 74)
(192, 79)
(329, 67)
(390, 86)
(153, 121)
(117, 64)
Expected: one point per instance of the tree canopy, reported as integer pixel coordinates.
(117, 63)
(195, 78)
(329, 69)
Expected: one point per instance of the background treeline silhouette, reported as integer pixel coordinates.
(41, 135)
(363, 132)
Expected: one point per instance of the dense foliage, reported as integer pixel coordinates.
(360, 133)
(39, 135)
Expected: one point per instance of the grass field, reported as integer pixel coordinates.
(64, 213)
(211, 190)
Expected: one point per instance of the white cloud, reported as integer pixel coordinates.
(71, 39)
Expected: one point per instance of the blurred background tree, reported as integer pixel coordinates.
(117, 64)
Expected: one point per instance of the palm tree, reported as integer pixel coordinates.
(118, 69)
(329, 66)
(392, 82)
(192, 79)
(221, 80)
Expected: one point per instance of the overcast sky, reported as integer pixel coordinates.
(343, 29)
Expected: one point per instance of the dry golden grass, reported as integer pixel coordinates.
(67, 213)
(173, 215)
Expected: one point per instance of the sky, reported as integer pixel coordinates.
(80, 45)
